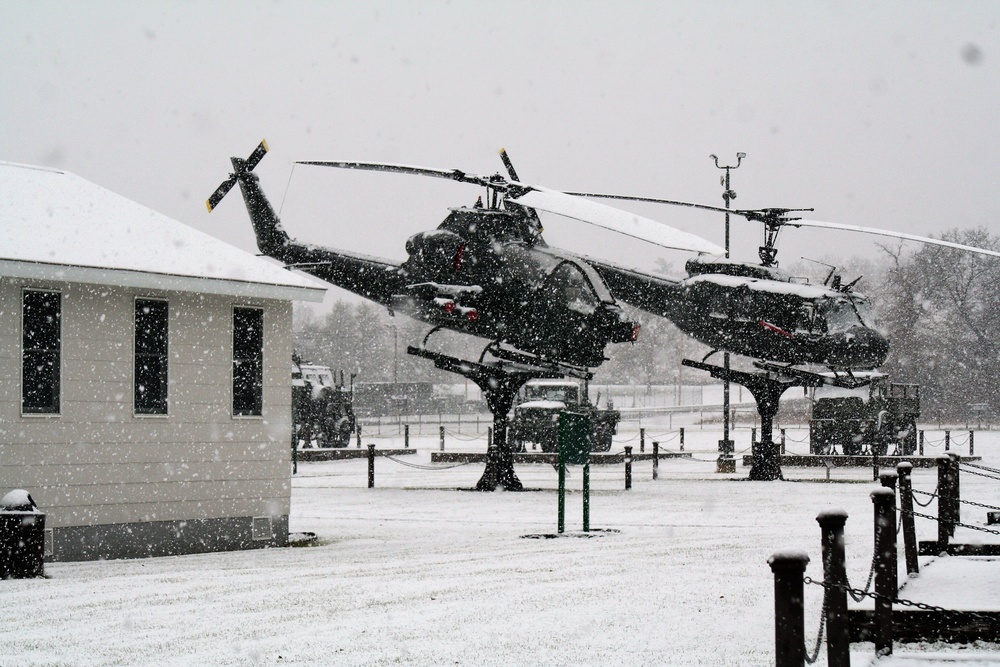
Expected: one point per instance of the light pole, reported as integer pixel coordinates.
(726, 445)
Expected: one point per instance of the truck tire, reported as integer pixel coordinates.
(600, 439)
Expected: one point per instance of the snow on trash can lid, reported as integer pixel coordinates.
(18, 500)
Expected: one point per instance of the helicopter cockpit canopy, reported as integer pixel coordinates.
(843, 314)
(568, 284)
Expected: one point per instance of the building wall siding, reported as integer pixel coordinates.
(98, 464)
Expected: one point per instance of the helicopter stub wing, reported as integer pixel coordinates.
(614, 219)
(885, 232)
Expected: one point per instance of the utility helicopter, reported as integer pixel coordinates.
(485, 270)
(758, 310)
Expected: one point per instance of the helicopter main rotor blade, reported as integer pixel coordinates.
(450, 174)
(614, 219)
(653, 200)
(885, 232)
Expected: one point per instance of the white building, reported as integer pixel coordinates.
(144, 375)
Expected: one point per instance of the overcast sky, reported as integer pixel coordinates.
(880, 114)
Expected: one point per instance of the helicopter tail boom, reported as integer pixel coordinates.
(271, 237)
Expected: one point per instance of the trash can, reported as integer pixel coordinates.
(22, 536)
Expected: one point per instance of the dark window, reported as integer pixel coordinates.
(151, 357)
(248, 361)
(41, 315)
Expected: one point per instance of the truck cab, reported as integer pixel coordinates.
(536, 415)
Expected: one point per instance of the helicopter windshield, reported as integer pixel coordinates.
(840, 315)
(563, 393)
(568, 284)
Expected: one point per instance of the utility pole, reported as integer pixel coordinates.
(726, 445)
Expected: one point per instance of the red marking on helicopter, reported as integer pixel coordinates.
(775, 329)
(635, 332)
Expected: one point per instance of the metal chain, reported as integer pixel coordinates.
(893, 599)
(979, 474)
(981, 467)
(924, 493)
(954, 523)
(423, 467)
(871, 577)
(970, 502)
(812, 656)
(458, 436)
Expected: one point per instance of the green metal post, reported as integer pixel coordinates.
(586, 498)
(562, 495)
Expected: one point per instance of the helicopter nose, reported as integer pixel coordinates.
(618, 328)
(864, 348)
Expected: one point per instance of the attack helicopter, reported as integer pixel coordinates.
(485, 270)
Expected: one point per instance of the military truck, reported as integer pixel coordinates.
(322, 407)
(879, 417)
(536, 416)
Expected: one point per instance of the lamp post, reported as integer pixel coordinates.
(726, 447)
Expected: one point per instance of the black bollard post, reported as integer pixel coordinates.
(489, 437)
(888, 481)
(956, 491)
(642, 440)
(874, 462)
(656, 460)
(947, 441)
(921, 443)
(972, 443)
(753, 435)
(782, 442)
(359, 436)
(371, 466)
(945, 531)
(789, 618)
(406, 436)
(904, 469)
(441, 433)
(886, 584)
(838, 645)
(682, 438)
(628, 468)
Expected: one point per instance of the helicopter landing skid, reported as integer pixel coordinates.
(499, 381)
(767, 387)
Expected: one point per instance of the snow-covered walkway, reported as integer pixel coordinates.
(418, 572)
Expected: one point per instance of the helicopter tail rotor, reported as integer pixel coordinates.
(241, 167)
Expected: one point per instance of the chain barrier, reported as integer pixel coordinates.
(804, 439)
(812, 656)
(924, 493)
(923, 606)
(871, 576)
(980, 467)
(423, 467)
(659, 437)
(970, 502)
(928, 441)
(458, 436)
(954, 523)
(981, 474)
(691, 459)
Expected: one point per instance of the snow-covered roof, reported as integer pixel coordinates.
(56, 225)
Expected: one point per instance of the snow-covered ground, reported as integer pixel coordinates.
(420, 571)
